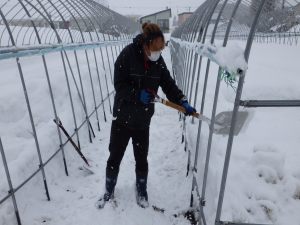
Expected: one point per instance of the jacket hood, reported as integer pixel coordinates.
(138, 41)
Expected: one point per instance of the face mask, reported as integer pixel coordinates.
(154, 56)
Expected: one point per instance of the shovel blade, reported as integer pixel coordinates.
(223, 122)
(87, 171)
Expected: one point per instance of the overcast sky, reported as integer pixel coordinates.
(144, 7)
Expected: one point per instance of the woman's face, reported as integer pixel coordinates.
(156, 45)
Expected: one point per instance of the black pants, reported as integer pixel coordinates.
(119, 138)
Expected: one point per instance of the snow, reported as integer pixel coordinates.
(230, 57)
(295, 28)
(263, 183)
(74, 197)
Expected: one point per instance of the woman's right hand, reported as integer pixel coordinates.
(146, 96)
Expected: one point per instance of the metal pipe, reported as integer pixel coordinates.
(104, 67)
(270, 103)
(28, 107)
(210, 12)
(215, 103)
(11, 189)
(48, 78)
(234, 115)
(67, 80)
(89, 125)
(88, 59)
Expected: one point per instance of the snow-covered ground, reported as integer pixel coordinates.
(263, 182)
(73, 197)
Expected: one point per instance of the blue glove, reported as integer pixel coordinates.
(146, 97)
(189, 110)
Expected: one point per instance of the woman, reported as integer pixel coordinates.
(139, 71)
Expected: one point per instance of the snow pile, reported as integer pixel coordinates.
(232, 56)
(295, 28)
(15, 127)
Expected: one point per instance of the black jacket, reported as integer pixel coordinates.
(131, 76)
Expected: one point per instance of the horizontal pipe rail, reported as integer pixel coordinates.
(231, 223)
(270, 103)
(17, 52)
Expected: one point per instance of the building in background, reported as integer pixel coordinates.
(182, 17)
(162, 18)
(39, 23)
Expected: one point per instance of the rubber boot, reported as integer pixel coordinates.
(110, 183)
(141, 190)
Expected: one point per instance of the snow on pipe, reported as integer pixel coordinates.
(230, 58)
(14, 52)
(9, 181)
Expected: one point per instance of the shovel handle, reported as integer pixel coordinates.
(178, 107)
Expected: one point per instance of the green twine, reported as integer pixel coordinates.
(229, 78)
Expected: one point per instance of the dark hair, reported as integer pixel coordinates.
(151, 31)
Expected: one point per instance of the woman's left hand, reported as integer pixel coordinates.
(189, 110)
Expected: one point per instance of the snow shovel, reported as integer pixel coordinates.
(86, 168)
(222, 120)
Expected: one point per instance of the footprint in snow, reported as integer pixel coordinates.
(269, 163)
